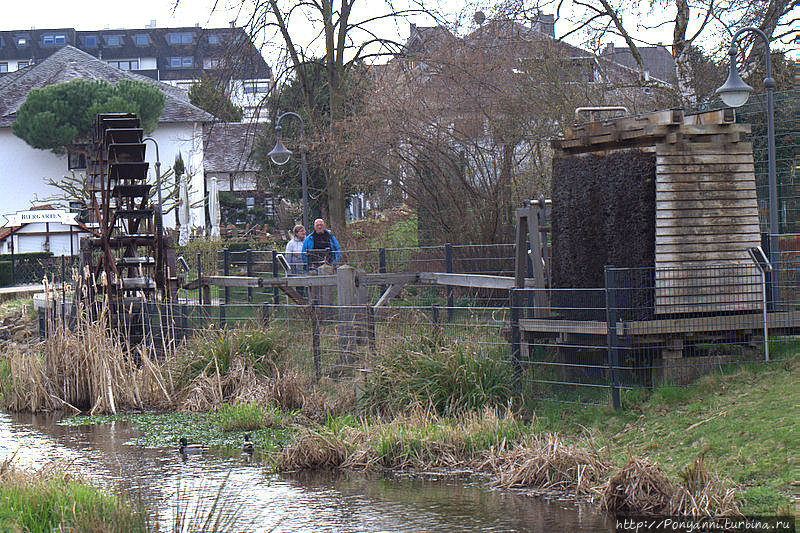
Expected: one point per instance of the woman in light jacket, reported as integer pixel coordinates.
(294, 251)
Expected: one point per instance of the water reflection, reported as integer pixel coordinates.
(266, 502)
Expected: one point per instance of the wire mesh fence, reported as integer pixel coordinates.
(643, 328)
(787, 153)
(27, 269)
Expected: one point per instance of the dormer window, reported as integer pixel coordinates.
(113, 40)
(90, 41)
(184, 37)
(51, 39)
(142, 40)
(213, 39)
(21, 41)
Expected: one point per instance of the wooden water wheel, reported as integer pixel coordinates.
(130, 257)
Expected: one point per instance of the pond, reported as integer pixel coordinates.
(258, 500)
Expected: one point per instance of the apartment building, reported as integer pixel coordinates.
(177, 56)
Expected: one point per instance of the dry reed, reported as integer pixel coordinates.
(83, 368)
(642, 487)
(546, 463)
(313, 449)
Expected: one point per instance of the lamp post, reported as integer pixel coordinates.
(280, 156)
(735, 92)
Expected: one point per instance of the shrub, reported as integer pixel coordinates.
(446, 378)
(225, 350)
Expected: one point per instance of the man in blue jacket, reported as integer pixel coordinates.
(320, 247)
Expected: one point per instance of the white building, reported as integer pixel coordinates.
(24, 171)
(177, 56)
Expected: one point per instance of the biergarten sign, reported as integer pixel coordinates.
(59, 216)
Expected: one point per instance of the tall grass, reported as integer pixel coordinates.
(246, 417)
(447, 378)
(83, 368)
(50, 499)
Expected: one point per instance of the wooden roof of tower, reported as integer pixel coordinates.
(706, 204)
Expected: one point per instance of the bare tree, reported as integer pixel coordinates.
(347, 35)
(695, 24)
(463, 126)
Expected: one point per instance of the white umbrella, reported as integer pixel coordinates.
(183, 213)
(213, 208)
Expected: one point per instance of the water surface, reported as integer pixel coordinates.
(262, 501)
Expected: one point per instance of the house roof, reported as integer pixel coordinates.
(657, 60)
(69, 63)
(228, 147)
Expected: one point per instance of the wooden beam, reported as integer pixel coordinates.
(474, 281)
(232, 281)
(386, 279)
(295, 296)
(390, 292)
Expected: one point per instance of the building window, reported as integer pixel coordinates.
(250, 202)
(22, 42)
(22, 64)
(125, 64)
(113, 40)
(180, 38)
(76, 161)
(49, 39)
(90, 41)
(253, 87)
(181, 62)
(3, 67)
(142, 40)
(213, 39)
(210, 63)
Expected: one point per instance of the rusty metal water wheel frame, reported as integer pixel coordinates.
(128, 256)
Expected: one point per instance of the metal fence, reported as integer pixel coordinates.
(787, 151)
(643, 328)
(32, 270)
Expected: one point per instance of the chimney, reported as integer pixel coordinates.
(152, 24)
(233, 23)
(609, 49)
(197, 25)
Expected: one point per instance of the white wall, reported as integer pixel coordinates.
(24, 170)
(185, 138)
(30, 238)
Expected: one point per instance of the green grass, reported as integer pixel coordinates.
(448, 378)
(744, 425)
(49, 502)
(246, 417)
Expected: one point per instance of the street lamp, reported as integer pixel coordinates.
(735, 92)
(280, 156)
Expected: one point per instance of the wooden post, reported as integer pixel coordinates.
(448, 263)
(513, 303)
(370, 314)
(382, 265)
(346, 303)
(227, 291)
(265, 314)
(249, 260)
(275, 291)
(184, 320)
(315, 340)
(611, 324)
